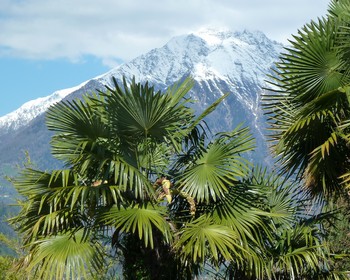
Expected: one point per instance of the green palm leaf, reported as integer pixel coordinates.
(142, 220)
(79, 127)
(42, 213)
(202, 239)
(312, 67)
(66, 256)
(295, 248)
(138, 112)
(217, 166)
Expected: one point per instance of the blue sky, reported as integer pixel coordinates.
(47, 45)
(22, 80)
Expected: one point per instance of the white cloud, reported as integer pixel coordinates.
(120, 29)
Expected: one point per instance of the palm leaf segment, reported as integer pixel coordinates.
(141, 220)
(309, 103)
(203, 239)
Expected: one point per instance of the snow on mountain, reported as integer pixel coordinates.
(208, 55)
(220, 61)
(32, 109)
(211, 57)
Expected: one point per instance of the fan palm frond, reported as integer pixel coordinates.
(217, 166)
(139, 219)
(202, 239)
(66, 256)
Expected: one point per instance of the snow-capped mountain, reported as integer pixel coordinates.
(219, 62)
(206, 55)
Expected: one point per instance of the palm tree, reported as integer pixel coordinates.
(308, 108)
(114, 146)
(308, 104)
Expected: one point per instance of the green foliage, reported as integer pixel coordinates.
(337, 230)
(5, 268)
(52, 254)
(289, 243)
(9, 269)
(139, 220)
(114, 146)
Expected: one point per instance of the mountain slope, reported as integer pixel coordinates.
(32, 109)
(219, 61)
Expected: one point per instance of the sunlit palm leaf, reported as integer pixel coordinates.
(217, 166)
(141, 220)
(202, 239)
(312, 67)
(66, 256)
(43, 213)
(238, 210)
(137, 112)
(58, 201)
(79, 127)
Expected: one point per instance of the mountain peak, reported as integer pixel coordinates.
(216, 36)
(213, 36)
(209, 53)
